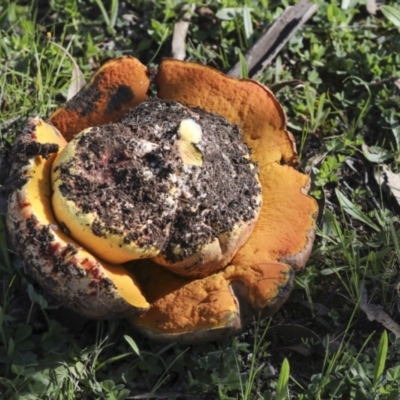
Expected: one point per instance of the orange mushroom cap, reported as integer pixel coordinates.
(260, 276)
(116, 87)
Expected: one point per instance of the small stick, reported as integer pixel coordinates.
(180, 32)
(268, 46)
(9, 122)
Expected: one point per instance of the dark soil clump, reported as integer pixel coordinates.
(126, 182)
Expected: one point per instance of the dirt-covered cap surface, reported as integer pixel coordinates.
(131, 175)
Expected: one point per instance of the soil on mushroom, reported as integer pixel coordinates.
(126, 192)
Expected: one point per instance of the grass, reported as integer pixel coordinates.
(345, 117)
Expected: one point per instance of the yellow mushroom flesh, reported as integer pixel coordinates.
(84, 283)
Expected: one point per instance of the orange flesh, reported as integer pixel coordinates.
(39, 192)
(262, 281)
(116, 87)
(179, 305)
(243, 102)
(280, 230)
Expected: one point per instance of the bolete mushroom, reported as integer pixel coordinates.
(201, 268)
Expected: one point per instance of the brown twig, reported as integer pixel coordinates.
(268, 46)
(180, 32)
(393, 79)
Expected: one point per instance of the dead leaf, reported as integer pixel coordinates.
(77, 81)
(207, 14)
(77, 78)
(376, 313)
(180, 32)
(375, 154)
(389, 180)
(372, 7)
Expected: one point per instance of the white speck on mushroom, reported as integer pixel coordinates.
(190, 131)
(147, 174)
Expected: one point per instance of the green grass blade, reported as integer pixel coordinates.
(351, 209)
(4, 256)
(132, 344)
(380, 358)
(244, 71)
(104, 13)
(310, 101)
(248, 25)
(111, 360)
(392, 14)
(320, 108)
(114, 12)
(283, 381)
(163, 39)
(395, 127)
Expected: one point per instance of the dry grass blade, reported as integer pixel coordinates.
(77, 78)
(269, 45)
